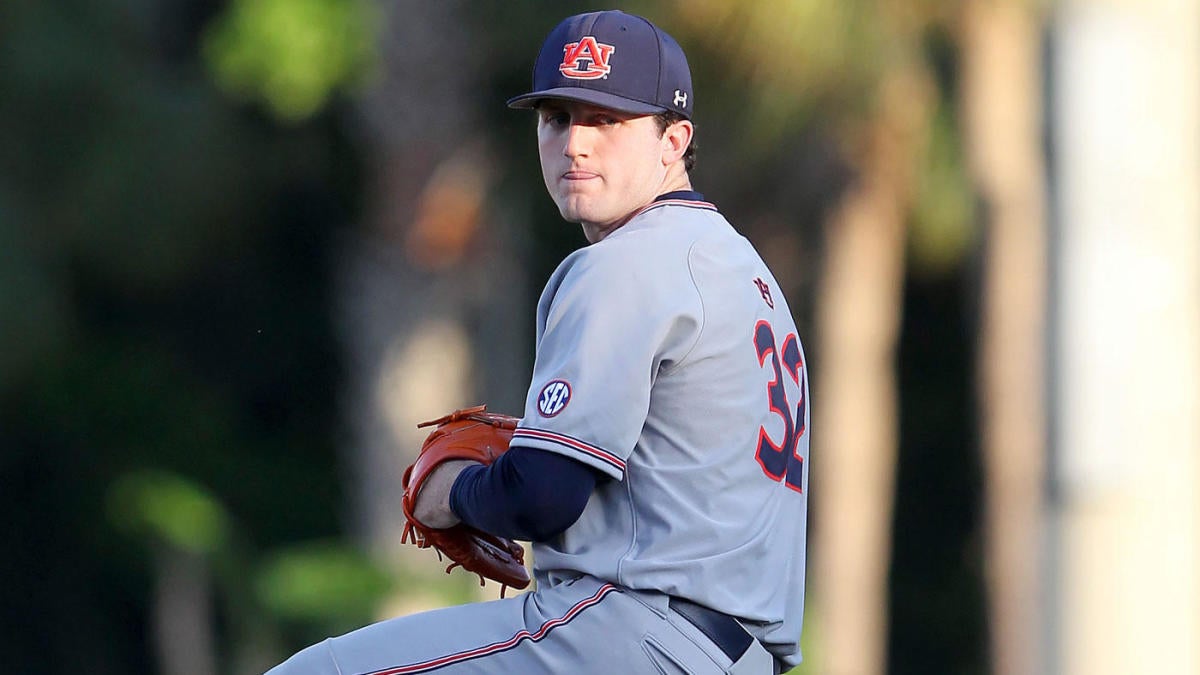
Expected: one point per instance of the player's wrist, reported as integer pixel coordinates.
(432, 508)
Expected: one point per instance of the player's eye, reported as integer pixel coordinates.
(556, 118)
(606, 120)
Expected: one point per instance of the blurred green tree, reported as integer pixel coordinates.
(292, 55)
(870, 79)
(164, 323)
(1001, 52)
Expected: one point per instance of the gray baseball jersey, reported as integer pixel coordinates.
(668, 359)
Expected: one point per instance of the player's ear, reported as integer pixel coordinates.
(675, 141)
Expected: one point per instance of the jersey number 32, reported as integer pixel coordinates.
(781, 461)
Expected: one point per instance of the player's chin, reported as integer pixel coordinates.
(574, 209)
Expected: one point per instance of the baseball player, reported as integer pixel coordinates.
(661, 465)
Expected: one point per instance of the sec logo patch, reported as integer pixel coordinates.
(554, 397)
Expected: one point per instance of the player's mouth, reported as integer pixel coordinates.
(579, 175)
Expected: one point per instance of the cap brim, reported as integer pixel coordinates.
(600, 98)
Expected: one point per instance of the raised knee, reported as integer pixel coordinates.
(314, 660)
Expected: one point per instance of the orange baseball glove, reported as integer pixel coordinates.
(477, 435)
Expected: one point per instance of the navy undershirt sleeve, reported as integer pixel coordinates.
(526, 494)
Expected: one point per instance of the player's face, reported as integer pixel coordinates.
(600, 165)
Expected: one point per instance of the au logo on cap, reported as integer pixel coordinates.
(586, 59)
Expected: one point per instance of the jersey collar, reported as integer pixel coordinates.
(688, 198)
(684, 195)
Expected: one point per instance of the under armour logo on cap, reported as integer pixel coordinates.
(680, 98)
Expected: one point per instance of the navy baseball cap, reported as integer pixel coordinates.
(614, 60)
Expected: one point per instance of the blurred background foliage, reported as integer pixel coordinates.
(177, 179)
(291, 55)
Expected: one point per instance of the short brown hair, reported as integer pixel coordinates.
(665, 119)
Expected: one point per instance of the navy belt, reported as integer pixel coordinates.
(722, 629)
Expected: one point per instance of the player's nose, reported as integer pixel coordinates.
(578, 141)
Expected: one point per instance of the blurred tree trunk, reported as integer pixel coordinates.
(858, 314)
(1127, 349)
(418, 280)
(183, 613)
(1001, 103)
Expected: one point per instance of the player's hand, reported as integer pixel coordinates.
(464, 437)
(432, 507)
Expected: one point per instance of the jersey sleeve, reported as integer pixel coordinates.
(611, 320)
